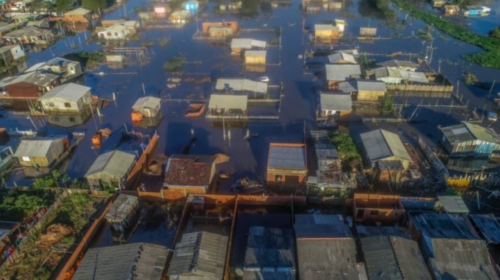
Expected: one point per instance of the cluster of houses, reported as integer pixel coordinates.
(468, 11)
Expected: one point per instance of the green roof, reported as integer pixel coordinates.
(117, 163)
(482, 133)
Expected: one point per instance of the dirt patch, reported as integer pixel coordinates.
(53, 235)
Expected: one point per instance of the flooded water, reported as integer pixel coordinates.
(297, 110)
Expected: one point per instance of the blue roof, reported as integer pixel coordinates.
(287, 157)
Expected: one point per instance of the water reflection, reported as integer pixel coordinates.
(67, 121)
(473, 165)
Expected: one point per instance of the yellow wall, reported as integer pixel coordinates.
(255, 59)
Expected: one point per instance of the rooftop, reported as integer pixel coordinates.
(436, 225)
(121, 208)
(466, 132)
(78, 12)
(370, 231)
(7, 48)
(247, 43)
(129, 261)
(37, 146)
(394, 63)
(116, 163)
(71, 91)
(200, 255)
(342, 72)
(380, 144)
(287, 156)
(189, 170)
(255, 53)
(228, 102)
(147, 102)
(36, 78)
(28, 31)
(342, 57)
(320, 225)
(335, 101)
(235, 84)
(452, 204)
(488, 225)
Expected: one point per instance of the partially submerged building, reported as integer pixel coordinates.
(66, 69)
(148, 106)
(220, 29)
(397, 76)
(470, 140)
(326, 249)
(199, 255)
(110, 169)
(240, 44)
(30, 85)
(342, 58)
(335, 104)
(180, 17)
(241, 85)
(119, 31)
(68, 98)
(336, 73)
(30, 35)
(189, 173)
(123, 212)
(404, 65)
(384, 146)
(286, 164)
(270, 254)
(222, 105)
(130, 261)
(11, 54)
(326, 31)
(452, 204)
(78, 15)
(41, 151)
(364, 90)
(255, 57)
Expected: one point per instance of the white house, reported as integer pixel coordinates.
(68, 98)
(11, 53)
(119, 31)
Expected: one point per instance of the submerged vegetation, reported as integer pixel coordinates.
(490, 58)
(175, 64)
(470, 79)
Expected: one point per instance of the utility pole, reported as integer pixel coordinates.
(492, 86)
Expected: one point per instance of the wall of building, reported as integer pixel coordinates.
(366, 95)
(255, 59)
(327, 34)
(57, 104)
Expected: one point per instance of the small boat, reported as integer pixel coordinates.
(136, 116)
(96, 139)
(195, 110)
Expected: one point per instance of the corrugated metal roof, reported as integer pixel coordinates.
(417, 77)
(255, 53)
(121, 207)
(489, 226)
(78, 12)
(452, 204)
(129, 261)
(200, 255)
(71, 91)
(36, 78)
(339, 57)
(335, 101)
(326, 27)
(371, 85)
(241, 85)
(394, 63)
(223, 101)
(287, 156)
(147, 102)
(320, 225)
(380, 144)
(483, 133)
(342, 72)
(36, 147)
(457, 134)
(116, 162)
(435, 225)
(247, 43)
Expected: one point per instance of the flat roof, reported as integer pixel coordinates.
(342, 72)
(287, 156)
(488, 225)
(238, 84)
(453, 204)
(247, 43)
(435, 225)
(226, 101)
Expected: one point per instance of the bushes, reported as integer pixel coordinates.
(174, 64)
(347, 150)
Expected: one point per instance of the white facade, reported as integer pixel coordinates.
(119, 31)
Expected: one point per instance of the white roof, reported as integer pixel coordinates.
(71, 91)
(325, 27)
(255, 53)
(78, 12)
(147, 102)
(411, 76)
(335, 101)
(247, 43)
(241, 85)
(35, 147)
(338, 57)
(341, 72)
(222, 101)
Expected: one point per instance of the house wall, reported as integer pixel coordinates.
(366, 95)
(476, 148)
(287, 177)
(255, 59)
(27, 90)
(57, 104)
(220, 32)
(405, 162)
(326, 33)
(96, 180)
(233, 25)
(55, 151)
(74, 68)
(17, 52)
(373, 208)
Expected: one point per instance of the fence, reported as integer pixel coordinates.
(142, 163)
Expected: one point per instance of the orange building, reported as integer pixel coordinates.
(375, 208)
(286, 164)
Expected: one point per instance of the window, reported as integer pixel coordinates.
(71, 119)
(50, 104)
(374, 212)
(26, 159)
(67, 105)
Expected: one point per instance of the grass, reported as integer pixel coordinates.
(348, 152)
(490, 58)
(175, 64)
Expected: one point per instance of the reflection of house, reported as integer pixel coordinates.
(41, 151)
(255, 57)
(270, 254)
(220, 29)
(342, 58)
(110, 169)
(326, 249)
(364, 90)
(148, 106)
(394, 257)
(119, 31)
(470, 140)
(199, 255)
(66, 69)
(336, 73)
(326, 31)
(122, 212)
(10, 54)
(30, 35)
(286, 164)
(240, 85)
(227, 105)
(382, 145)
(68, 98)
(332, 103)
(240, 44)
(374, 208)
(400, 65)
(190, 173)
(130, 261)
(29, 85)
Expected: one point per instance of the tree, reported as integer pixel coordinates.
(495, 33)
(63, 5)
(94, 5)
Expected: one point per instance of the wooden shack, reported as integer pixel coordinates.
(367, 31)
(231, 25)
(110, 169)
(123, 212)
(148, 107)
(326, 31)
(255, 57)
(41, 151)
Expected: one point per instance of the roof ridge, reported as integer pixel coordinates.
(393, 244)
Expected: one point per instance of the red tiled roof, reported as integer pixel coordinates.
(184, 170)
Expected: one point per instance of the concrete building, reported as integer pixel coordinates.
(382, 145)
(68, 98)
(336, 73)
(189, 173)
(255, 57)
(110, 169)
(120, 31)
(470, 140)
(41, 151)
(286, 164)
(335, 104)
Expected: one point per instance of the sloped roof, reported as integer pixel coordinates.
(200, 255)
(380, 144)
(340, 57)
(71, 91)
(189, 170)
(36, 78)
(146, 102)
(247, 43)
(489, 226)
(121, 262)
(416, 77)
(241, 85)
(335, 101)
(466, 131)
(453, 204)
(121, 207)
(224, 101)
(37, 146)
(436, 225)
(483, 133)
(371, 85)
(287, 156)
(320, 225)
(394, 63)
(328, 27)
(255, 53)
(342, 72)
(78, 12)
(116, 162)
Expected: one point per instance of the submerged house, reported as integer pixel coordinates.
(180, 17)
(222, 105)
(396, 76)
(470, 140)
(41, 151)
(240, 44)
(68, 98)
(400, 65)
(342, 58)
(220, 29)
(30, 35)
(110, 169)
(120, 30)
(31, 85)
(130, 261)
(66, 69)
(148, 107)
(255, 57)
(199, 255)
(336, 73)
(364, 90)
(286, 165)
(326, 31)
(78, 15)
(384, 146)
(189, 173)
(333, 104)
